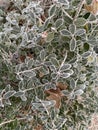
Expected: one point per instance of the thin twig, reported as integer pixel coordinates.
(58, 73)
(28, 70)
(79, 9)
(67, 14)
(6, 122)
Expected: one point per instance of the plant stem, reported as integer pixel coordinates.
(79, 9)
(6, 122)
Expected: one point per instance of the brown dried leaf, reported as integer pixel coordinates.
(57, 98)
(55, 94)
(61, 86)
(93, 8)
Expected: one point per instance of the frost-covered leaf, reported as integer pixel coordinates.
(65, 32)
(54, 61)
(52, 10)
(43, 105)
(9, 94)
(64, 2)
(79, 92)
(50, 37)
(65, 75)
(72, 83)
(59, 22)
(42, 55)
(29, 74)
(47, 22)
(80, 32)
(65, 67)
(72, 28)
(19, 93)
(86, 54)
(23, 97)
(80, 22)
(73, 44)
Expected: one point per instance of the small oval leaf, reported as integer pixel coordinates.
(19, 93)
(65, 75)
(23, 97)
(29, 74)
(65, 67)
(72, 28)
(65, 32)
(78, 92)
(42, 55)
(86, 54)
(59, 22)
(9, 94)
(72, 83)
(54, 61)
(73, 44)
(80, 22)
(80, 32)
(52, 10)
(50, 37)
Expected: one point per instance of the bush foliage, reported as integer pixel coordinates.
(48, 65)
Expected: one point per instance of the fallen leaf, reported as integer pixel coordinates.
(55, 94)
(93, 7)
(61, 86)
(57, 98)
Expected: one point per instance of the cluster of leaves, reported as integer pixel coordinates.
(48, 65)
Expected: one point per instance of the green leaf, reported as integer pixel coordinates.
(58, 23)
(80, 32)
(65, 75)
(50, 37)
(78, 92)
(30, 63)
(68, 20)
(42, 55)
(65, 92)
(29, 74)
(65, 67)
(52, 10)
(19, 93)
(72, 28)
(43, 105)
(54, 61)
(73, 44)
(65, 32)
(47, 22)
(70, 71)
(65, 2)
(9, 94)
(86, 54)
(72, 83)
(80, 22)
(23, 97)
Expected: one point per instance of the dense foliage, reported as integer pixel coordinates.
(48, 65)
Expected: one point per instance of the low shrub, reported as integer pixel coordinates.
(48, 64)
